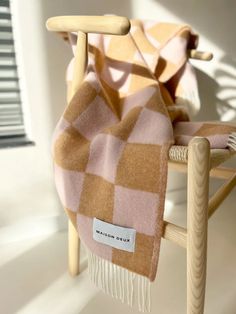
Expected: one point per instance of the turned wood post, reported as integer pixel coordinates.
(197, 221)
(80, 65)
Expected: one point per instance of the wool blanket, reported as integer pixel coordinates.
(110, 148)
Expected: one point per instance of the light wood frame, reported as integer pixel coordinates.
(201, 164)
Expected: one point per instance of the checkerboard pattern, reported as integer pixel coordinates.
(110, 147)
(112, 168)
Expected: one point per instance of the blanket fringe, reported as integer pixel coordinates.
(190, 100)
(232, 141)
(119, 282)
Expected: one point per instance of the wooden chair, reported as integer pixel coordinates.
(197, 160)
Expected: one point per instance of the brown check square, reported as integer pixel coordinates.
(71, 150)
(80, 101)
(97, 198)
(139, 261)
(138, 167)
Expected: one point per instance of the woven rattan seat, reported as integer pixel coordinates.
(217, 156)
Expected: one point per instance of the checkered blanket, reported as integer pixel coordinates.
(111, 147)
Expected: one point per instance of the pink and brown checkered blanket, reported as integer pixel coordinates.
(111, 147)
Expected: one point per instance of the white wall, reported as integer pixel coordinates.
(28, 202)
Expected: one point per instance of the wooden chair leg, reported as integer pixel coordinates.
(197, 222)
(73, 250)
(80, 66)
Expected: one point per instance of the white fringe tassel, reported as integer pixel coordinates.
(190, 100)
(232, 141)
(119, 282)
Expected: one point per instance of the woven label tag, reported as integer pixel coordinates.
(118, 237)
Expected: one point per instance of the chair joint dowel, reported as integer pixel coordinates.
(175, 234)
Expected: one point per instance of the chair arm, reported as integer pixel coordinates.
(113, 25)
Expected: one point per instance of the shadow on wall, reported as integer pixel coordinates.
(225, 74)
(207, 86)
(220, 103)
(215, 20)
(58, 53)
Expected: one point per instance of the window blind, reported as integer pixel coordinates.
(11, 115)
